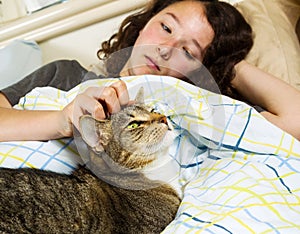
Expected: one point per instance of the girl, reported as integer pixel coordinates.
(172, 38)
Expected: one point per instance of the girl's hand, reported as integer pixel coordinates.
(99, 102)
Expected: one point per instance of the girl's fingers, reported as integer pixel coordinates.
(109, 100)
(121, 91)
(84, 104)
(89, 105)
(102, 101)
(99, 102)
(111, 97)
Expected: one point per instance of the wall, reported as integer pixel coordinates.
(11, 10)
(73, 29)
(81, 44)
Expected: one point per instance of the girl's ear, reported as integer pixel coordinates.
(95, 133)
(139, 98)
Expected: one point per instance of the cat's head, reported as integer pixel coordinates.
(133, 137)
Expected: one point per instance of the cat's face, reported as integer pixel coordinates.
(141, 130)
(133, 137)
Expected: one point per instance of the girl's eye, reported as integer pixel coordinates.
(166, 28)
(188, 54)
(133, 125)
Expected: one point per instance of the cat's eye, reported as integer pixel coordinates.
(133, 125)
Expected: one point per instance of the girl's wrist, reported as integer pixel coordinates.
(65, 126)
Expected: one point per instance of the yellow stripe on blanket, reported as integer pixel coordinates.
(243, 172)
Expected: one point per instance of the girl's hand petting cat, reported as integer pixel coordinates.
(99, 102)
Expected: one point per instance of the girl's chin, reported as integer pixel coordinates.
(141, 71)
(145, 70)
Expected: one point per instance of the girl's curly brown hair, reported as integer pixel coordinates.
(231, 43)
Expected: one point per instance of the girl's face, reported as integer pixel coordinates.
(172, 43)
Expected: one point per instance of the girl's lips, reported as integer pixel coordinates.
(151, 63)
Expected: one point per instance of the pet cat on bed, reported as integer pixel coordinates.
(124, 200)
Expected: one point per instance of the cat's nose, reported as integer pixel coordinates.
(163, 119)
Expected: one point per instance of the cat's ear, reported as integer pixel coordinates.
(139, 98)
(94, 132)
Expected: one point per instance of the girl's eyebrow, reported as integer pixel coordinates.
(174, 17)
(193, 40)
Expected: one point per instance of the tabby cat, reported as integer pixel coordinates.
(119, 199)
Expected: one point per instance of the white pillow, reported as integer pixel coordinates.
(276, 46)
(18, 59)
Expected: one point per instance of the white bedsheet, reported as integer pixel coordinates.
(242, 173)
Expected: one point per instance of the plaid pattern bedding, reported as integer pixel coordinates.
(238, 173)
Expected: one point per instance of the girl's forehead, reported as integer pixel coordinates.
(187, 7)
(186, 13)
(191, 18)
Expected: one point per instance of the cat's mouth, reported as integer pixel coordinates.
(162, 143)
(169, 125)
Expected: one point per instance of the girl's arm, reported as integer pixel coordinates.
(280, 100)
(51, 124)
(31, 125)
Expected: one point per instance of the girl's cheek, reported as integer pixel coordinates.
(150, 35)
(182, 66)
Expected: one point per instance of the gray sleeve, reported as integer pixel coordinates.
(62, 74)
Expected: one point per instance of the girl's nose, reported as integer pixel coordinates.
(165, 51)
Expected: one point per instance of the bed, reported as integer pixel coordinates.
(240, 173)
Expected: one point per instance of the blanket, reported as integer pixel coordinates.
(237, 172)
